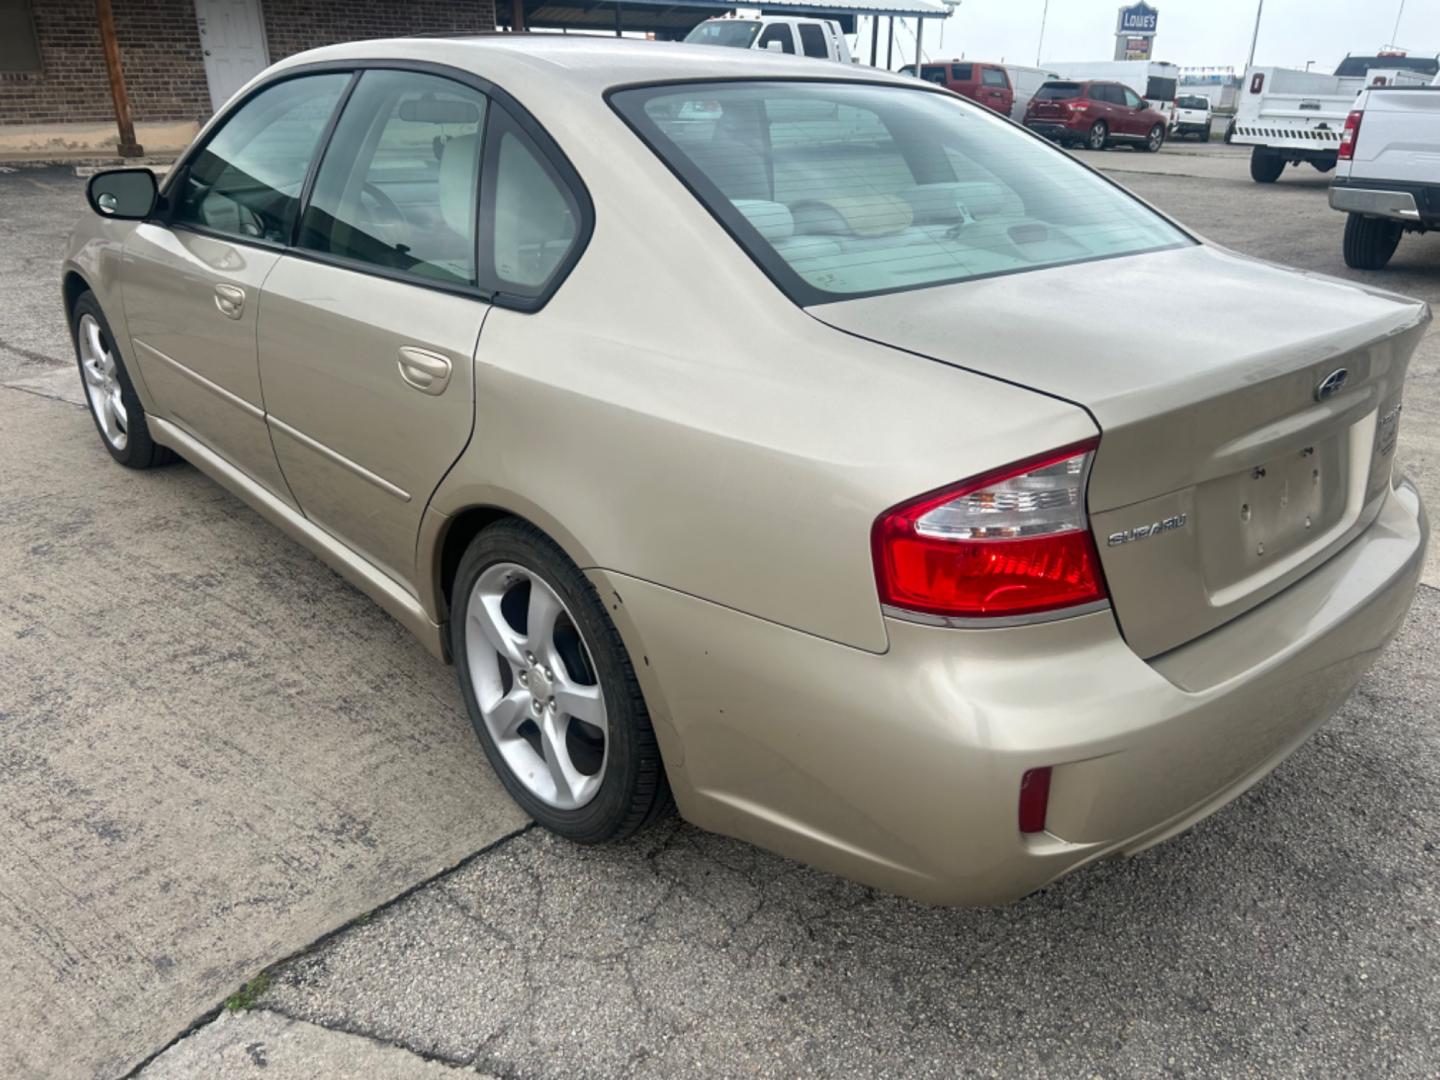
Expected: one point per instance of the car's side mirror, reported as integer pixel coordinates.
(124, 194)
(774, 46)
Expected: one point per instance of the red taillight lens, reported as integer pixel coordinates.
(1350, 134)
(1012, 542)
(1034, 799)
(1257, 83)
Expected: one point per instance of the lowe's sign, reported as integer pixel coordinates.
(1139, 18)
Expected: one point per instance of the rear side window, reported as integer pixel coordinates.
(398, 185)
(531, 219)
(1058, 91)
(778, 32)
(962, 72)
(246, 180)
(993, 77)
(812, 40)
(848, 189)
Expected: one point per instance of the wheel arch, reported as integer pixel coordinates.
(72, 285)
(444, 536)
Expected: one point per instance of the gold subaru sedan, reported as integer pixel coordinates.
(791, 439)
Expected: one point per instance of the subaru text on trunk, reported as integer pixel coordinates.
(742, 432)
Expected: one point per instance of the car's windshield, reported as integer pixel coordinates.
(846, 189)
(1057, 91)
(736, 33)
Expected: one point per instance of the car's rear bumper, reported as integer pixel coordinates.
(1186, 128)
(1055, 129)
(902, 770)
(1411, 203)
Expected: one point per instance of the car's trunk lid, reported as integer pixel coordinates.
(1224, 471)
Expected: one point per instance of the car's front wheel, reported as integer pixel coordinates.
(1095, 140)
(114, 405)
(1369, 242)
(550, 688)
(1154, 140)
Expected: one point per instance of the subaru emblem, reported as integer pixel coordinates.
(1332, 384)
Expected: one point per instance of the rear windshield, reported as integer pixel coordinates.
(1057, 91)
(850, 189)
(736, 33)
(1158, 89)
(1193, 102)
(1359, 65)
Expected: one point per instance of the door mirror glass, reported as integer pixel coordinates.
(124, 194)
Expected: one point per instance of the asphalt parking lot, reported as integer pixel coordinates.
(216, 759)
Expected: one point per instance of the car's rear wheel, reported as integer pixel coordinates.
(1154, 140)
(1097, 136)
(114, 405)
(1369, 242)
(550, 688)
(1265, 165)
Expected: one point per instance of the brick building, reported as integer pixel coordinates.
(180, 59)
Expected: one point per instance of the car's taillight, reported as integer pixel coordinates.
(1257, 82)
(1350, 134)
(1015, 541)
(1077, 106)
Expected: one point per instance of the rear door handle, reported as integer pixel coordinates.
(230, 299)
(426, 371)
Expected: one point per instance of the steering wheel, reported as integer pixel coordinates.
(396, 227)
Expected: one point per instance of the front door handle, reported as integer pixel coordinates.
(426, 371)
(230, 299)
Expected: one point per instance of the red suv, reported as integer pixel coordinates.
(1095, 115)
(989, 84)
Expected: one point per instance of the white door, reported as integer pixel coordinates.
(233, 39)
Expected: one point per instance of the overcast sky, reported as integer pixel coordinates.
(1191, 32)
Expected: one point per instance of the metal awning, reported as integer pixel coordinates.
(672, 19)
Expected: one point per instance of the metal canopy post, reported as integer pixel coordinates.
(128, 147)
(919, 34)
(517, 16)
(890, 48)
(874, 39)
(617, 18)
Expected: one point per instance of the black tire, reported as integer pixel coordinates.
(634, 790)
(1369, 242)
(1098, 136)
(1265, 165)
(140, 450)
(1153, 141)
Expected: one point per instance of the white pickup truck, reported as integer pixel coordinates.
(1388, 175)
(1289, 116)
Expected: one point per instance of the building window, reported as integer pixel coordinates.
(19, 50)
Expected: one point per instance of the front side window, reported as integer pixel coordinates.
(994, 77)
(812, 39)
(778, 32)
(398, 186)
(246, 181)
(846, 189)
(933, 74)
(1132, 99)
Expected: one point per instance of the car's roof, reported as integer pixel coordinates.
(572, 61)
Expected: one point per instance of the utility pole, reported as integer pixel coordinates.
(1395, 34)
(128, 147)
(1039, 45)
(1256, 36)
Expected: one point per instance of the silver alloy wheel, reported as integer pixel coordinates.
(102, 383)
(1097, 135)
(536, 686)
(1157, 137)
